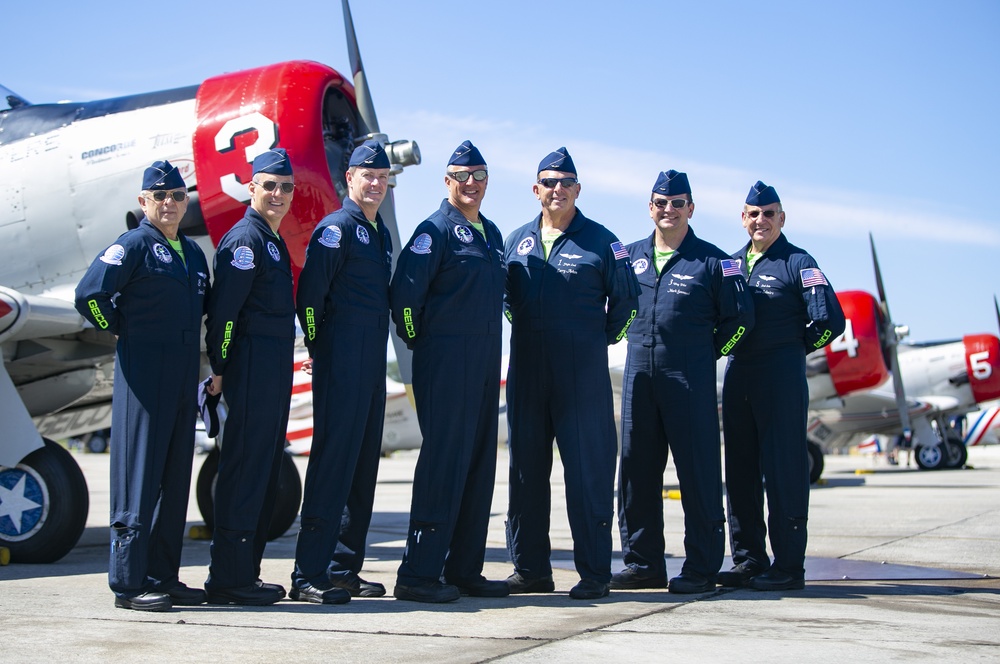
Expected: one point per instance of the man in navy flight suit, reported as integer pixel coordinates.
(571, 292)
(694, 307)
(765, 400)
(447, 303)
(343, 308)
(250, 337)
(149, 289)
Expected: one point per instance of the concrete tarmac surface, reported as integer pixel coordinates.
(904, 565)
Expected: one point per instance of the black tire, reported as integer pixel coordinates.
(957, 455)
(930, 457)
(286, 506)
(54, 482)
(815, 462)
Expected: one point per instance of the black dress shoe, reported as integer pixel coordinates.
(482, 587)
(518, 585)
(251, 595)
(689, 583)
(273, 587)
(357, 586)
(630, 579)
(739, 575)
(775, 579)
(433, 592)
(145, 602)
(317, 595)
(589, 589)
(181, 595)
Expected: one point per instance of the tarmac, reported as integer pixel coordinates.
(903, 565)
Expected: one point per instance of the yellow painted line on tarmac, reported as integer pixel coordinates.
(200, 533)
(672, 494)
(864, 471)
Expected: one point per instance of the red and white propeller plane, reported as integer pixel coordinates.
(68, 178)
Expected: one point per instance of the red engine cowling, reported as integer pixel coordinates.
(306, 108)
(982, 361)
(856, 358)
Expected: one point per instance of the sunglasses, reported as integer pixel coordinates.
(662, 203)
(271, 185)
(463, 176)
(550, 183)
(159, 195)
(768, 214)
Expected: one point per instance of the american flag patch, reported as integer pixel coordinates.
(620, 251)
(813, 276)
(730, 268)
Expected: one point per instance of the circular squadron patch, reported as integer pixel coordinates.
(464, 234)
(242, 258)
(113, 255)
(272, 249)
(363, 235)
(640, 266)
(525, 246)
(422, 244)
(331, 237)
(162, 254)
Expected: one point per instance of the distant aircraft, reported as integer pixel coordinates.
(69, 175)
(853, 389)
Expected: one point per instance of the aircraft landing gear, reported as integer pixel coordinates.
(950, 453)
(930, 457)
(957, 453)
(286, 506)
(45, 502)
(815, 461)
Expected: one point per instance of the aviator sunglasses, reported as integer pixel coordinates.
(159, 195)
(662, 203)
(463, 176)
(550, 183)
(768, 214)
(271, 185)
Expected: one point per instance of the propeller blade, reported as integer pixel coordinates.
(892, 342)
(997, 308)
(878, 279)
(364, 98)
(366, 109)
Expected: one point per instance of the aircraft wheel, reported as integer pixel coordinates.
(45, 504)
(930, 457)
(97, 444)
(958, 454)
(815, 462)
(286, 505)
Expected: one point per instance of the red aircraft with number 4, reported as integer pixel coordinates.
(69, 175)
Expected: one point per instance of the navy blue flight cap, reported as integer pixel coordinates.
(370, 154)
(162, 175)
(466, 154)
(672, 183)
(208, 405)
(557, 161)
(275, 161)
(762, 194)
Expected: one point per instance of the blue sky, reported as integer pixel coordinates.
(865, 116)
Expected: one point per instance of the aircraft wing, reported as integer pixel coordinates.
(52, 361)
(876, 412)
